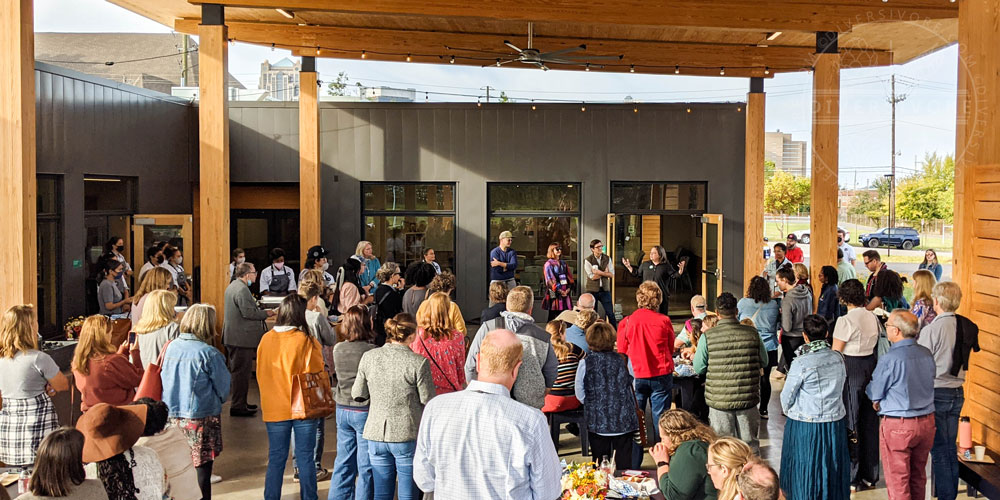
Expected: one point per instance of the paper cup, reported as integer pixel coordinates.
(980, 452)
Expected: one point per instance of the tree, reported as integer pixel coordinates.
(867, 204)
(769, 170)
(338, 86)
(785, 194)
(928, 194)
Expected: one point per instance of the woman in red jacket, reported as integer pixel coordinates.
(103, 374)
(646, 337)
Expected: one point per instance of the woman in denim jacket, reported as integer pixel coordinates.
(195, 384)
(815, 464)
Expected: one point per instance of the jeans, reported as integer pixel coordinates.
(765, 380)
(320, 445)
(656, 390)
(742, 424)
(905, 445)
(279, 434)
(944, 463)
(388, 460)
(352, 459)
(604, 297)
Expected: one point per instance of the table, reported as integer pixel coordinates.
(981, 478)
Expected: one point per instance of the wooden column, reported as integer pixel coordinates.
(753, 205)
(825, 156)
(18, 274)
(310, 226)
(213, 124)
(977, 207)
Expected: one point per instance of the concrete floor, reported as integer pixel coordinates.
(244, 457)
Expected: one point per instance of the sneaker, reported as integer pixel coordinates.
(295, 477)
(216, 479)
(763, 414)
(322, 474)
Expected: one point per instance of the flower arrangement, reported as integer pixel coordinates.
(73, 326)
(584, 481)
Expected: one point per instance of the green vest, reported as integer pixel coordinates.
(733, 378)
(596, 285)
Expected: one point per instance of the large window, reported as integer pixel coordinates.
(658, 197)
(49, 255)
(404, 219)
(537, 215)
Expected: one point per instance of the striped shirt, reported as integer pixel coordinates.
(566, 374)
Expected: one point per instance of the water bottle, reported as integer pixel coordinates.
(964, 434)
(23, 481)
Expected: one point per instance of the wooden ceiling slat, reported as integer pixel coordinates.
(774, 15)
(648, 57)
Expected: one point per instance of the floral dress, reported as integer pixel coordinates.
(447, 360)
(557, 279)
(923, 309)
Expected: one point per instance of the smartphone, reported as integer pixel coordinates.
(131, 337)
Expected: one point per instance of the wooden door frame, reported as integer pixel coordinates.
(707, 219)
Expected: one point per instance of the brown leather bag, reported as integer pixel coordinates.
(151, 385)
(119, 331)
(312, 396)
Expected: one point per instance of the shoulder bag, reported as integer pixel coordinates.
(431, 357)
(312, 396)
(640, 415)
(151, 385)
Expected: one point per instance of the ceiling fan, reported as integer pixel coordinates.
(533, 56)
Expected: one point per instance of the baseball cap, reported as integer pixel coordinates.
(317, 252)
(792, 237)
(506, 234)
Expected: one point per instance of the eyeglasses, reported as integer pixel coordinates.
(558, 249)
(709, 466)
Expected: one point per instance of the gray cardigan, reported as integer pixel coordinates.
(397, 382)
(244, 321)
(346, 358)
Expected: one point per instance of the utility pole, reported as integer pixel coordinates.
(487, 89)
(184, 71)
(892, 177)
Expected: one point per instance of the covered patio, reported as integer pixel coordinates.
(723, 38)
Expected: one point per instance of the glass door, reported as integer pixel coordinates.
(711, 263)
(175, 229)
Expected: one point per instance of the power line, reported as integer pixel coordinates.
(112, 63)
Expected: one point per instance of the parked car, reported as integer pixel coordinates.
(899, 237)
(803, 235)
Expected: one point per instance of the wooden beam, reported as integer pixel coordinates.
(774, 15)
(753, 205)
(977, 161)
(825, 165)
(213, 120)
(658, 57)
(18, 191)
(310, 226)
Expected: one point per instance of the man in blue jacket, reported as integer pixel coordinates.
(503, 261)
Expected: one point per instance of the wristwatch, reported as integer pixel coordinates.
(662, 464)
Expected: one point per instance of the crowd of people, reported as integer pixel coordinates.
(422, 405)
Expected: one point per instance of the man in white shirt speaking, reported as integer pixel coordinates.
(481, 444)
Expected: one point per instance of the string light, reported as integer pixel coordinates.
(587, 68)
(739, 110)
(631, 69)
(364, 55)
(408, 58)
(635, 109)
(677, 70)
(479, 103)
(498, 62)
(689, 110)
(767, 71)
(272, 47)
(318, 50)
(452, 60)
(722, 71)
(583, 107)
(533, 107)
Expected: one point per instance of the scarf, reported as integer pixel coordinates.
(814, 346)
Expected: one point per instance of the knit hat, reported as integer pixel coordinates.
(109, 430)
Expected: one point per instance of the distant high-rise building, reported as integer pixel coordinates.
(281, 79)
(787, 155)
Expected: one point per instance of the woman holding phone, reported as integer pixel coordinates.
(104, 374)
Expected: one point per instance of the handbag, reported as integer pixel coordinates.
(431, 357)
(151, 385)
(883, 344)
(641, 416)
(312, 396)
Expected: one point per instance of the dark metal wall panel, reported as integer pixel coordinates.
(473, 145)
(90, 126)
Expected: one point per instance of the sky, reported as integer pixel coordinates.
(925, 120)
